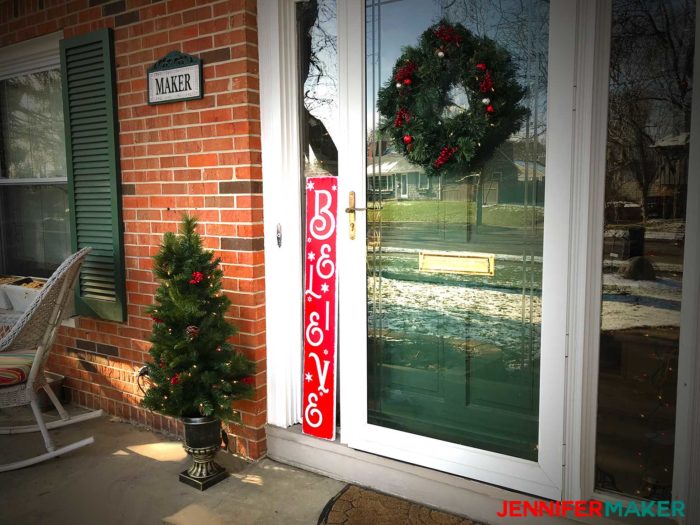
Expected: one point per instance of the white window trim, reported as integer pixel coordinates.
(590, 134)
(281, 208)
(39, 54)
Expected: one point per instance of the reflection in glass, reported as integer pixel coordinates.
(34, 231)
(650, 91)
(317, 28)
(453, 349)
(32, 136)
(35, 234)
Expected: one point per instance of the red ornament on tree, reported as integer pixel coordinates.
(192, 331)
(489, 109)
(407, 81)
(481, 66)
(248, 380)
(156, 320)
(197, 277)
(175, 379)
(407, 139)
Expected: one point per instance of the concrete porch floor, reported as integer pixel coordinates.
(130, 475)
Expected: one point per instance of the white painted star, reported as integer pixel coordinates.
(324, 287)
(308, 298)
(308, 239)
(309, 377)
(335, 187)
(310, 185)
(325, 352)
(311, 256)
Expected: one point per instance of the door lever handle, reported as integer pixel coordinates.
(351, 209)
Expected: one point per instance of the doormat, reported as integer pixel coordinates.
(358, 506)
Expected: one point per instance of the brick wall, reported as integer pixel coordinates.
(198, 156)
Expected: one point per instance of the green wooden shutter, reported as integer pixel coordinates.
(92, 154)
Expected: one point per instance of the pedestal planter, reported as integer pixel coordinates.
(202, 440)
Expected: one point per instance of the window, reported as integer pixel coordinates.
(646, 191)
(34, 221)
(423, 181)
(57, 96)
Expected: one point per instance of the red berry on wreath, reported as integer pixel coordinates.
(481, 66)
(489, 109)
(175, 379)
(487, 83)
(407, 81)
(192, 331)
(407, 139)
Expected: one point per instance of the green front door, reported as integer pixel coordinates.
(454, 257)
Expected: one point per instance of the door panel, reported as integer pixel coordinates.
(446, 325)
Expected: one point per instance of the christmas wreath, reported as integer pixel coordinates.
(451, 100)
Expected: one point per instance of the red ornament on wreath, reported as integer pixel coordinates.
(192, 332)
(175, 379)
(442, 69)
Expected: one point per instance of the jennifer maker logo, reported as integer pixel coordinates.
(593, 509)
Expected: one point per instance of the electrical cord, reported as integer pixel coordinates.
(143, 371)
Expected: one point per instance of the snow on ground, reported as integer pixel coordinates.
(508, 319)
(619, 316)
(661, 288)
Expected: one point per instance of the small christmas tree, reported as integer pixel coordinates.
(195, 371)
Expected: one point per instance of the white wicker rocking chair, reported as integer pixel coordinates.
(23, 352)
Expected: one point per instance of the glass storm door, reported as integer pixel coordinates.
(452, 318)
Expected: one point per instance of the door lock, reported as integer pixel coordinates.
(351, 209)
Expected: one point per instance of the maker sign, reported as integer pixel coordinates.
(177, 76)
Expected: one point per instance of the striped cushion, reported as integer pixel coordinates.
(14, 368)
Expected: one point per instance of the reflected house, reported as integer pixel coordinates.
(504, 179)
(668, 187)
(508, 179)
(668, 193)
(396, 178)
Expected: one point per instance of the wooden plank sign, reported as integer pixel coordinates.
(320, 307)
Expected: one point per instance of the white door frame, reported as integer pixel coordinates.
(543, 477)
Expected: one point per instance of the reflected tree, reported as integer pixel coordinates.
(32, 133)
(651, 70)
(316, 21)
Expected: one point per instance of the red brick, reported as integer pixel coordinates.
(209, 159)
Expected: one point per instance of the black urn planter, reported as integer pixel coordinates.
(202, 440)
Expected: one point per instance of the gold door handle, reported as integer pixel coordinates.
(351, 209)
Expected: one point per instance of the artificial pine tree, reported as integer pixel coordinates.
(195, 371)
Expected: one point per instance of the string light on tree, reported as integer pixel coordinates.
(190, 348)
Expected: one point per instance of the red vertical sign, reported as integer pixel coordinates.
(320, 306)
